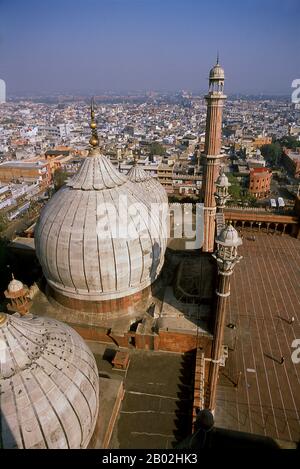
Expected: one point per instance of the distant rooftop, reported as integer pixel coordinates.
(259, 170)
(18, 164)
(57, 152)
(295, 156)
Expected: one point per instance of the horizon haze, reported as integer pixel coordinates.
(120, 45)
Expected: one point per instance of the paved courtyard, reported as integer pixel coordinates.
(265, 296)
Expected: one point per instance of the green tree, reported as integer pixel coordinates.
(235, 188)
(272, 152)
(248, 198)
(157, 149)
(59, 178)
(3, 222)
(238, 193)
(289, 141)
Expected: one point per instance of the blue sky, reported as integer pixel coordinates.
(93, 45)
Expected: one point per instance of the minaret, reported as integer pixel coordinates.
(215, 101)
(227, 257)
(222, 191)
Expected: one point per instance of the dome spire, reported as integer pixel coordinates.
(135, 157)
(217, 57)
(94, 140)
(3, 319)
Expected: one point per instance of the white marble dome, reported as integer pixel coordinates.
(229, 237)
(15, 286)
(217, 73)
(81, 254)
(222, 181)
(49, 385)
(152, 187)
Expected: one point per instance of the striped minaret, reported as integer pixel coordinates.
(215, 102)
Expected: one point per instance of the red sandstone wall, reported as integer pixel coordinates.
(179, 342)
(93, 333)
(166, 341)
(103, 306)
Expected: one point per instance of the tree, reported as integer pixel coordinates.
(272, 152)
(157, 149)
(289, 141)
(3, 222)
(239, 194)
(235, 188)
(248, 199)
(59, 178)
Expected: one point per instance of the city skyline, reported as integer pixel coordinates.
(84, 47)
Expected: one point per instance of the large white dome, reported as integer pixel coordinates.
(49, 385)
(80, 263)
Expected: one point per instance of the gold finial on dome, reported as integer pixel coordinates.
(94, 140)
(135, 157)
(3, 319)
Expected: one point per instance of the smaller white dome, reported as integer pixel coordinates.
(152, 188)
(217, 73)
(222, 181)
(229, 237)
(14, 286)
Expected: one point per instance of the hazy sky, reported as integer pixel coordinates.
(93, 45)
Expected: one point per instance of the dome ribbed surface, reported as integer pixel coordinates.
(217, 73)
(14, 286)
(156, 192)
(79, 262)
(49, 385)
(229, 237)
(97, 173)
(137, 174)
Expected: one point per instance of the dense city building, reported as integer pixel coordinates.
(260, 182)
(23, 171)
(291, 160)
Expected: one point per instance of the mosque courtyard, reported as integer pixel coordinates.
(256, 392)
